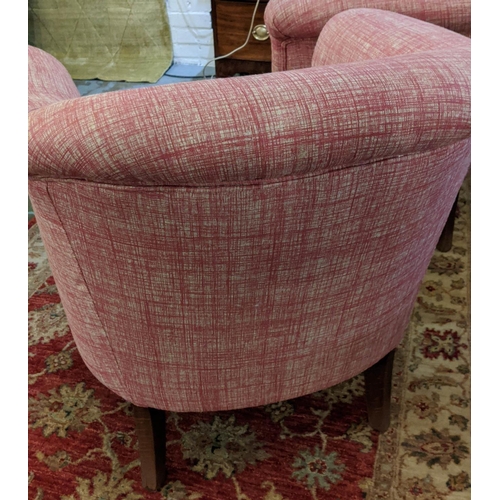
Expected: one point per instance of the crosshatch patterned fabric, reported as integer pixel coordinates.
(264, 243)
(48, 80)
(196, 299)
(262, 127)
(361, 34)
(294, 25)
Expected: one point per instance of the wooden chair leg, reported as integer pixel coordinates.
(446, 239)
(150, 426)
(378, 383)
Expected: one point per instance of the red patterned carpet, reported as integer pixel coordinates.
(82, 444)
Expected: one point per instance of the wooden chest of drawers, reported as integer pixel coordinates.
(231, 23)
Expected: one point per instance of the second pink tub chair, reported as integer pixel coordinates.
(295, 25)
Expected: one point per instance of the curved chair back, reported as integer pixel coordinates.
(231, 243)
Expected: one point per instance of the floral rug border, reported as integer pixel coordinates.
(434, 483)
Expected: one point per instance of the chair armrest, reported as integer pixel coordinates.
(256, 128)
(48, 80)
(294, 26)
(362, 34)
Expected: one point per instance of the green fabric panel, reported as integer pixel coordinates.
(110, 40)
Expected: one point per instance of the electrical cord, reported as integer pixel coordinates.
(185, 77)
(239, 48)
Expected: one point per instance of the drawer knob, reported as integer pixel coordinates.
(260, 32)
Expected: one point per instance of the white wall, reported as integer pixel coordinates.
(191, 28)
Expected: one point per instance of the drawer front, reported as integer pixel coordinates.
(233, 22)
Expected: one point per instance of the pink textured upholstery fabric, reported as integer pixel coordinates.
(294, 25)
(362, 34)
(48, 80)
(236, 130)
(238, 242)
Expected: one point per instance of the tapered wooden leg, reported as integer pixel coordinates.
(150, 426)
(446, 239)
(378, 383)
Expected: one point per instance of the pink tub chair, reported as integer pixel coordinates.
(295, 25)
(238, 242)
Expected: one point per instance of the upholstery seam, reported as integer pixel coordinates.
(288, 41)
(118, 371)
(249, 183)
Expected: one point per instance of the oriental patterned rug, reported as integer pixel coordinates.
(111, 40)
(82, 444)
